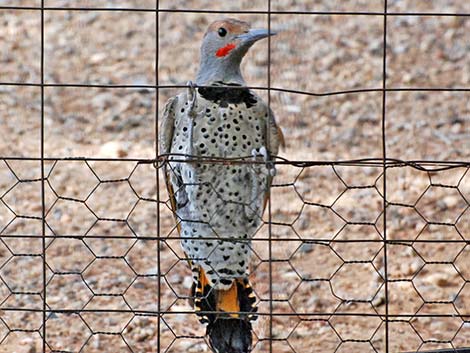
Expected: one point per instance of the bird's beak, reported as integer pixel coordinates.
(254, 35)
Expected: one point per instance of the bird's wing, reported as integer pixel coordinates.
(167, 125)
(274, 139)
(167, 128)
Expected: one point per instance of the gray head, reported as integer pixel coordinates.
(224, 45)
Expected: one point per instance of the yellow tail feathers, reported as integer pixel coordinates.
(228, 301)
(211, 303)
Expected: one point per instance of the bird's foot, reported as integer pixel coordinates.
(263, 152)
(192, 98)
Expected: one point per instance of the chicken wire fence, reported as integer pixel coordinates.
(354, 254)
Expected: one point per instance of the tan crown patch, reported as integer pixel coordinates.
(231, 25)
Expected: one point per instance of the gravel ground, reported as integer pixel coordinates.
(105, 206)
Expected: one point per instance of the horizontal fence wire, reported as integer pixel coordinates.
(239, 12)
(259, 88)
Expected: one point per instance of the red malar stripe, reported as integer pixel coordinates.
(225, 50)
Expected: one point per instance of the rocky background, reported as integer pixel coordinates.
(98, 213)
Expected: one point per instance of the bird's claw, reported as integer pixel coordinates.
(260, 152)
(191, 85)
(263, 152)
(192, 98)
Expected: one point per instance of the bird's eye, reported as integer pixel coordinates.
(222, 32)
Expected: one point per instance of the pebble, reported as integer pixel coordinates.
(114, 149)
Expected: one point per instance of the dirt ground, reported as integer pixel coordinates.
(328, 223)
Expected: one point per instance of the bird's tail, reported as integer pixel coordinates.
(228, 313)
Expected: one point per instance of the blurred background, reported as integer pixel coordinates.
(98, 213)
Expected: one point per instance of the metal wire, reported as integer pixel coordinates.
(269, 206)
(88, 277)
(384, 185)
(240, 12)
(43, 192)
(157, 175)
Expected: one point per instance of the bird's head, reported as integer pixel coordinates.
(224, 45)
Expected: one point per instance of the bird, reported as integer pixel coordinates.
(218, 207)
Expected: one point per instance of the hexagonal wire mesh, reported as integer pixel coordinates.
(358, 255)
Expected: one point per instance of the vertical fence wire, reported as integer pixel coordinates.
(157, 170)
(384, 155)
(43, 193)
(270, 244)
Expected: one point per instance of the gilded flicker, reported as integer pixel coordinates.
(219, 206)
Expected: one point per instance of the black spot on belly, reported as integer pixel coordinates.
(224, 94)
(226, 271)
(225, 281)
